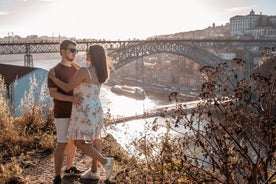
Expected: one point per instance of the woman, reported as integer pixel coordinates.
(87, 123)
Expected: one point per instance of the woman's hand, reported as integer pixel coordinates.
(75, 65)
(52, 75)
(77, 99)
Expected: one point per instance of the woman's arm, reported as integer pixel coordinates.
(59, 96)
(79, 77)
(76, 65)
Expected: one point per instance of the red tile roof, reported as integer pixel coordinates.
(12, 72)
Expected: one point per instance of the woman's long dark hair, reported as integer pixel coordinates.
(100, 62)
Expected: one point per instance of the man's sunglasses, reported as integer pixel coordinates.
(74, 51)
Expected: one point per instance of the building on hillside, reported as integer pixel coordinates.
(254, 25)
(25, 87)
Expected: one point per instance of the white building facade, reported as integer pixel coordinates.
(254, 25)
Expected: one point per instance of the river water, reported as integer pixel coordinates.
(118, 106)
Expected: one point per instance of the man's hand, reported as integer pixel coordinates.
(52, 74)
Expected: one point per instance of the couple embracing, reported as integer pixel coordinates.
(78, 111)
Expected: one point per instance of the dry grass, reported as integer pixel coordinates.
(32, 131)
(19, 136)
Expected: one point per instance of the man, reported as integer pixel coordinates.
(62, 110)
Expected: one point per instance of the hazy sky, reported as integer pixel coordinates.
(120, 19)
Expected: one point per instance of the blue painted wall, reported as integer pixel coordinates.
(29, 90)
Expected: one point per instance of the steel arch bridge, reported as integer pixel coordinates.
(129, 53)
(120, 52)
(123, 52)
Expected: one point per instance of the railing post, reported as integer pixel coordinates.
(28, 58)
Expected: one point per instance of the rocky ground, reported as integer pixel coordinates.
(42, 172)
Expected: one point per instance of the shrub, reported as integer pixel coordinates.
(229, 137)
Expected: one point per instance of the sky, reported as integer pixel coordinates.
(120, 19)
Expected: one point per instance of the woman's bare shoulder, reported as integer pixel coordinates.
(83, 69)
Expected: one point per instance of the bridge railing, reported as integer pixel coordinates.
(50, 47)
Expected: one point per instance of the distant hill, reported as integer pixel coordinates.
(222, 31)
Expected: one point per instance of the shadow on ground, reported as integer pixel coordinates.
(76, 179)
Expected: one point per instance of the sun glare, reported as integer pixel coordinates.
(120, 19)
(115, 19)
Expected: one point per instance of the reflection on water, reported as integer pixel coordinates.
(129, 131)
(122, 106)
(135, 130)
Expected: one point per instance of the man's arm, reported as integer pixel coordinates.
(59, 96)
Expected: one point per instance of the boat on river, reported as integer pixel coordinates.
(129, 91)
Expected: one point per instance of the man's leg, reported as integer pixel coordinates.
(59, 157)
(62, 130)
(61, 125)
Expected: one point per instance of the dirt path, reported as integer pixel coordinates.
(43, 171)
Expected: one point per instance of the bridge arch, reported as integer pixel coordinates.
(129, 53)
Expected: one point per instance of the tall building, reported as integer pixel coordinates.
(254, 25)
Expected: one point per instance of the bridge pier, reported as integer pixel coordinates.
(28, 58)
(247, 56)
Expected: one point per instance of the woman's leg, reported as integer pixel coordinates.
(98, 146)
(70, 153)
(107, 163)
(91, 151)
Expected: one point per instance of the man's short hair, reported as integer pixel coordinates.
(65, 43)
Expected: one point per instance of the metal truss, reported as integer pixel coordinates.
(123, 52)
